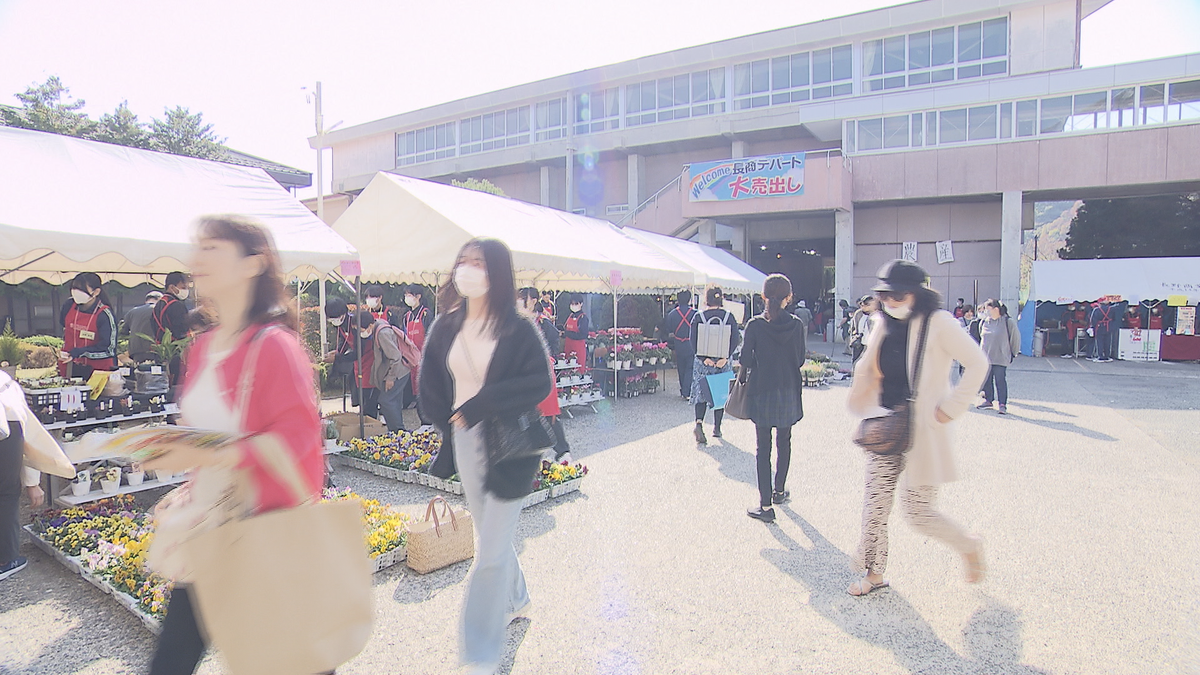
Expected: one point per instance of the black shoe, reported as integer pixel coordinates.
(700, 435)
(780, 496)
(13, 567)
(716, 432)
(759, 513)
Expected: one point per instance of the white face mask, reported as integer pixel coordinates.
(372, 302)
(183, 295)
(412, 301)
(364, 334)
(576, 308)
(80, 297)
(900, 312)
(471, 282)
(337, 322)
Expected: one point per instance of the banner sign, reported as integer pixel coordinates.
(351, 268)
(1185, 321)
(729, 180)
(1135, 344)
(908, 251)
(945, 252)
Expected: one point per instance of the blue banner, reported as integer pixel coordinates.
(729, 180)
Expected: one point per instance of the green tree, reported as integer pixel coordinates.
(183, 133)
(49, 107)
(479, 185)
(1137, 227)
(121, 127)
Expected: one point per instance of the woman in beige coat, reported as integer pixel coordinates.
(881, 382)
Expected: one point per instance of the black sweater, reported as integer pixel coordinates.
(773, 352)
(517, 380)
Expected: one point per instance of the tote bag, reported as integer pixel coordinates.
(436, 542)
(738, 404)
(718, 385)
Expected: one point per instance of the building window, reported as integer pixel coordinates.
(500, 129)
(981, 123)
(551, 119)
(1006, 120)
(952, 126)
(423, 145)
(598, 111)
(1089, 111)
(930, 57)
(1121, 111)
(793, 78)
(895, 132)
(1055, 113)
(708, 92)
(1027, 112)
(675, 98)
(918, 126)
(1184, 102)
(1153, 111)
(870, 134)
(848, 143)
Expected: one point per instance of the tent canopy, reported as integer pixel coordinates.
(71, 205)
(1132, 279)
(410, 230)
(713, 265)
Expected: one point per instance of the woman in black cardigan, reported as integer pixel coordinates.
(483, 361)
(772, 354)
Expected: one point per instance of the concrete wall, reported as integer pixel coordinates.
(362, 157)
(1042, 38)
(974, 227)
(605, 184)
(523, 185)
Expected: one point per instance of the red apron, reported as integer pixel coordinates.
(577, 347)
(381, 313)
(414, 327)
(80, 331)
(549, 407)
(1156, 322)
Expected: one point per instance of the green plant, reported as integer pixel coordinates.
(44, 341)
(11, 352)
(479, 185)
(168, 348)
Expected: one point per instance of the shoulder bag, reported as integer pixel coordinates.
(434, 544)
(891, 434)
(512, 436)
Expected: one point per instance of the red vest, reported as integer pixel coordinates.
(80, 331)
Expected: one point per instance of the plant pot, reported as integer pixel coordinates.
(573, 362)
(331, 444)
(163, 476)
(81, 489)
(612, 364)
(653, 360)
(110, 487)
(638, 362)
(136, 477)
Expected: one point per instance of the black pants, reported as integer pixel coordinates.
(684, 360)
(561, 447)
(783, 445)
(718, 415)
(996, 385)
(12, 452)
(856, 352)
(370, 404)
(180, 646)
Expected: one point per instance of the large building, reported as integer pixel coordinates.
(916, 125)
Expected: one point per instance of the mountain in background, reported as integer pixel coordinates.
(1051, 223)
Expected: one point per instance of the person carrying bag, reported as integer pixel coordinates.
(276, 580)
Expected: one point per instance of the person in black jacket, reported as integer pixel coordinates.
(772, 354)
(482, 362)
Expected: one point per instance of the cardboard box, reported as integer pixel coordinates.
(347, 426)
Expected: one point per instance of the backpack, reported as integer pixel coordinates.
(410, 354)
(713, 336)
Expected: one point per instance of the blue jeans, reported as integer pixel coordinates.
(497, 584)
(995, 387)
(391, 403)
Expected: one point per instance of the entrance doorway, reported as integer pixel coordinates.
(807, 263)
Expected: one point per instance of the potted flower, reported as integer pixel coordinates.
(110, 480)
(639, 356)
(573, 359)
(12, 354)
(331, 434)
(82, 483)
(134, 474)
(561, 360)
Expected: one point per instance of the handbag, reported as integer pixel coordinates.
(523, 435)
(738, 404)
(433, 545)
(891, 434)
(288, 591)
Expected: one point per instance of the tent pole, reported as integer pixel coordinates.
(321, 301)
(616, 298)
(358, 353)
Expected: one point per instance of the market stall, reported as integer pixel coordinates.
(1153, 298)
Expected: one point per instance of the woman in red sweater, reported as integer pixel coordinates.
(248, 375)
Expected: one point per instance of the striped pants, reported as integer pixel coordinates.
(883, 472)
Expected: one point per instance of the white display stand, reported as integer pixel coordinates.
(1136, 344)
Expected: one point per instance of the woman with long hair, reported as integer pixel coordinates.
(248, 375)
(713, 317)
(772, 355)
(884, 380)
(89, 329)
(1001, 339)
(483, 363)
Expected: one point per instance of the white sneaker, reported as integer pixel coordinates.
(423, 428)
(483, 669)
(565, 457)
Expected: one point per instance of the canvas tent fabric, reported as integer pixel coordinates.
(1132, 279)
(68, 205)
(410, 230)
(712, 265)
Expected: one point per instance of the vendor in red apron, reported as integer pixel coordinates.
(342, 356)
(416, 326)
(374, 305)
(575, 330)
(1133, 318)
(171, 314)
(89, 329)
(530, 307)
(1156, 318)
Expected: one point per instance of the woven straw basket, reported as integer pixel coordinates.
(434, 543)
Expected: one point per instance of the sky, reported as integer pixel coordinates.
(245, 63)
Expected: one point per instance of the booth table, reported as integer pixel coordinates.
(1180, 348)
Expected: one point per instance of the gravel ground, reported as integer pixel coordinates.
(1087, 496)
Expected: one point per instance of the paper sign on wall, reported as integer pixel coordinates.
(1185, 321)
(351, 268)
(909, 251)
(945, 252)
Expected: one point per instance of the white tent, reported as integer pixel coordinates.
(69, 205)
(712, 265)
(1132, 279)
(410, 230)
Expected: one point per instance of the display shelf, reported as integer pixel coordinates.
(582, 382)
(90, 422)
(566, 366)
(96, 495)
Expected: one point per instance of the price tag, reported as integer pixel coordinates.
(126, 372)
(156, 370)
(70, 399)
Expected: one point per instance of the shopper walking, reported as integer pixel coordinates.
(861, 326)
(678, 325)
(1001, 340)
(388, 372)
(705, 364)
(772, 355)
(529, 307)
(884, 380)
(484, 363)
(249, 376)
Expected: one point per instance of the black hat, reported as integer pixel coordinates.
(900, 276)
